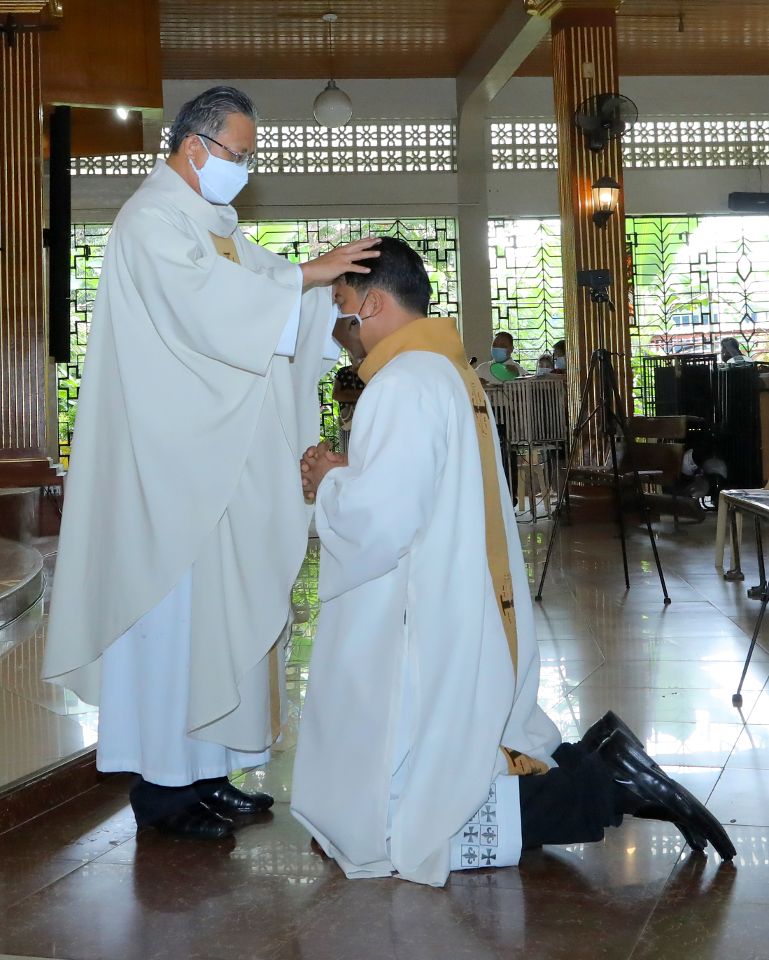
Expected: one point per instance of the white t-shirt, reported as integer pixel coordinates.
(484, 370)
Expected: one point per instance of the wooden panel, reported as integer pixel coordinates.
(585, 246)
(202, 39)
(52, 7)
(718, 38)
(286, 38)
(23, 347)
(98, 133)
(104, 55)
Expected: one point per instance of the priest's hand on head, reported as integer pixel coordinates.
(314, 465)
(323, 270)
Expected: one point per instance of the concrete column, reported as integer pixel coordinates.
(473, 228)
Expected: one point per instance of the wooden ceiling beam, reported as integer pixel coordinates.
(500, 53)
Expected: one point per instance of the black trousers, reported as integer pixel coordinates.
(571, 803)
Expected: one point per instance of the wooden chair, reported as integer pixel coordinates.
(657, 455)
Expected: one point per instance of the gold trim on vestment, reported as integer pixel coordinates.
(439, 335)
(225, 247)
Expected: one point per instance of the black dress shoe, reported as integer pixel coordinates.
(696, 840)
(602, 729)
(652, 789)
(195, 823)
(221, 796)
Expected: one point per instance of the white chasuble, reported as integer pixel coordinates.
(184, 461)
(412, 687)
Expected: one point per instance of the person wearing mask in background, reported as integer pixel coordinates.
(544, 365)
(559, 357)
(731, 354)
(501, 368)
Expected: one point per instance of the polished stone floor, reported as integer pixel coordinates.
(77, 883)
(40, 724)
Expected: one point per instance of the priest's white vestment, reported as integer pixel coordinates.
(412, 689)
(183, 486)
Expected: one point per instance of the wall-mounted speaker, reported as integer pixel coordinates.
(749, 202)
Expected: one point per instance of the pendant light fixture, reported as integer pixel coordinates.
(332, 107)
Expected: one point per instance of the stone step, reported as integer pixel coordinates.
(21, 579)
(30, 472)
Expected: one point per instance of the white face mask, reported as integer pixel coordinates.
(220, 180)
(543, 371)
(559, 363)
(351, 316)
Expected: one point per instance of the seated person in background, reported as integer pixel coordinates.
(731, 353)
(501, 367)
(544, 365)
(421, 747)
(559, 357)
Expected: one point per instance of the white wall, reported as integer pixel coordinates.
(515, 194)
(655, 97)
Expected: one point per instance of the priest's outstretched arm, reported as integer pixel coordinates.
(203, 302)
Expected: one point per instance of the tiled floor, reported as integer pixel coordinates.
(78, 884)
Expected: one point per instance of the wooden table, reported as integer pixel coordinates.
(750, 503)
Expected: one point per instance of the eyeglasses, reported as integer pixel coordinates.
(240, 158)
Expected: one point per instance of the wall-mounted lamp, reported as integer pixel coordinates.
(605, 200)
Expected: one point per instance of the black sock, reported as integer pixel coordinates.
(151, 801)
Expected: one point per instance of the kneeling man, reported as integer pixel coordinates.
(422, 748)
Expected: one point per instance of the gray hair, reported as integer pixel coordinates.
(207, 114)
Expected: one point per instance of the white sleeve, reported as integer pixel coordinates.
(288, 339)
(369, 514)
(287, 344)
(331, 349)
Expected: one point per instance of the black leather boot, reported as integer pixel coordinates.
(602, 729)
(645, 790)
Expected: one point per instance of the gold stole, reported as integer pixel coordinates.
(439, 335)
(225, 247)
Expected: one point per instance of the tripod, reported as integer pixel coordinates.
(611, 417)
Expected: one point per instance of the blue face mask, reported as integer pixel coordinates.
(499, 354)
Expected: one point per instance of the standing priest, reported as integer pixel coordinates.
(184, 525)
(421, 746)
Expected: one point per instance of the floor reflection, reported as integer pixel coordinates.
(83, 886)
